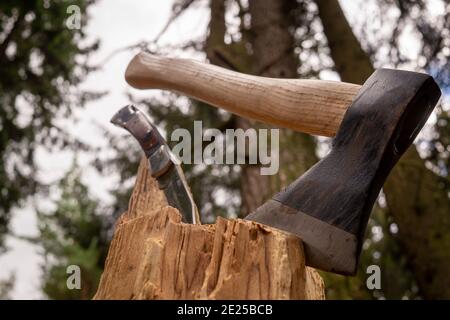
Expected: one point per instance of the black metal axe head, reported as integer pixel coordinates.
(328, 207)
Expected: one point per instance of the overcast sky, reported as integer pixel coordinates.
(117, 23)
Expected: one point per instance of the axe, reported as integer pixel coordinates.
(328, 207)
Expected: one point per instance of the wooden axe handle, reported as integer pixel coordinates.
(310, 106)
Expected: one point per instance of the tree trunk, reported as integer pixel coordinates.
(155, 256)
(350, 60)
(273, 56)
(415, 199)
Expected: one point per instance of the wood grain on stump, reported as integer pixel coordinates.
(153, 255)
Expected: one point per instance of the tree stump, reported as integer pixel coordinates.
(153, 255)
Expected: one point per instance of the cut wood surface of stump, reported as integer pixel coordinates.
(153, 255)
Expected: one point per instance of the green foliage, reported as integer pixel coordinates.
(41, 61)
(381, 248)
(75, 233)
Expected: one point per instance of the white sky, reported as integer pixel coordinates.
(117, 23)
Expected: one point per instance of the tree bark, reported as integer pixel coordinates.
(414, 197)
(155, 256)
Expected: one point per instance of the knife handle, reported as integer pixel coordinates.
(311, 106)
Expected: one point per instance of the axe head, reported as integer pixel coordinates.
(329, 206)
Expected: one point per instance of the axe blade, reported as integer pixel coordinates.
(329, 206)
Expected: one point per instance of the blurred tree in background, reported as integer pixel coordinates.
(42, 61)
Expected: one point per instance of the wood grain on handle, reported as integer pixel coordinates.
(311, 106)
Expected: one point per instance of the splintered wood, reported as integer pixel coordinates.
(153, 255)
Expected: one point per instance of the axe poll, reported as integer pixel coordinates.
(328, 207)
